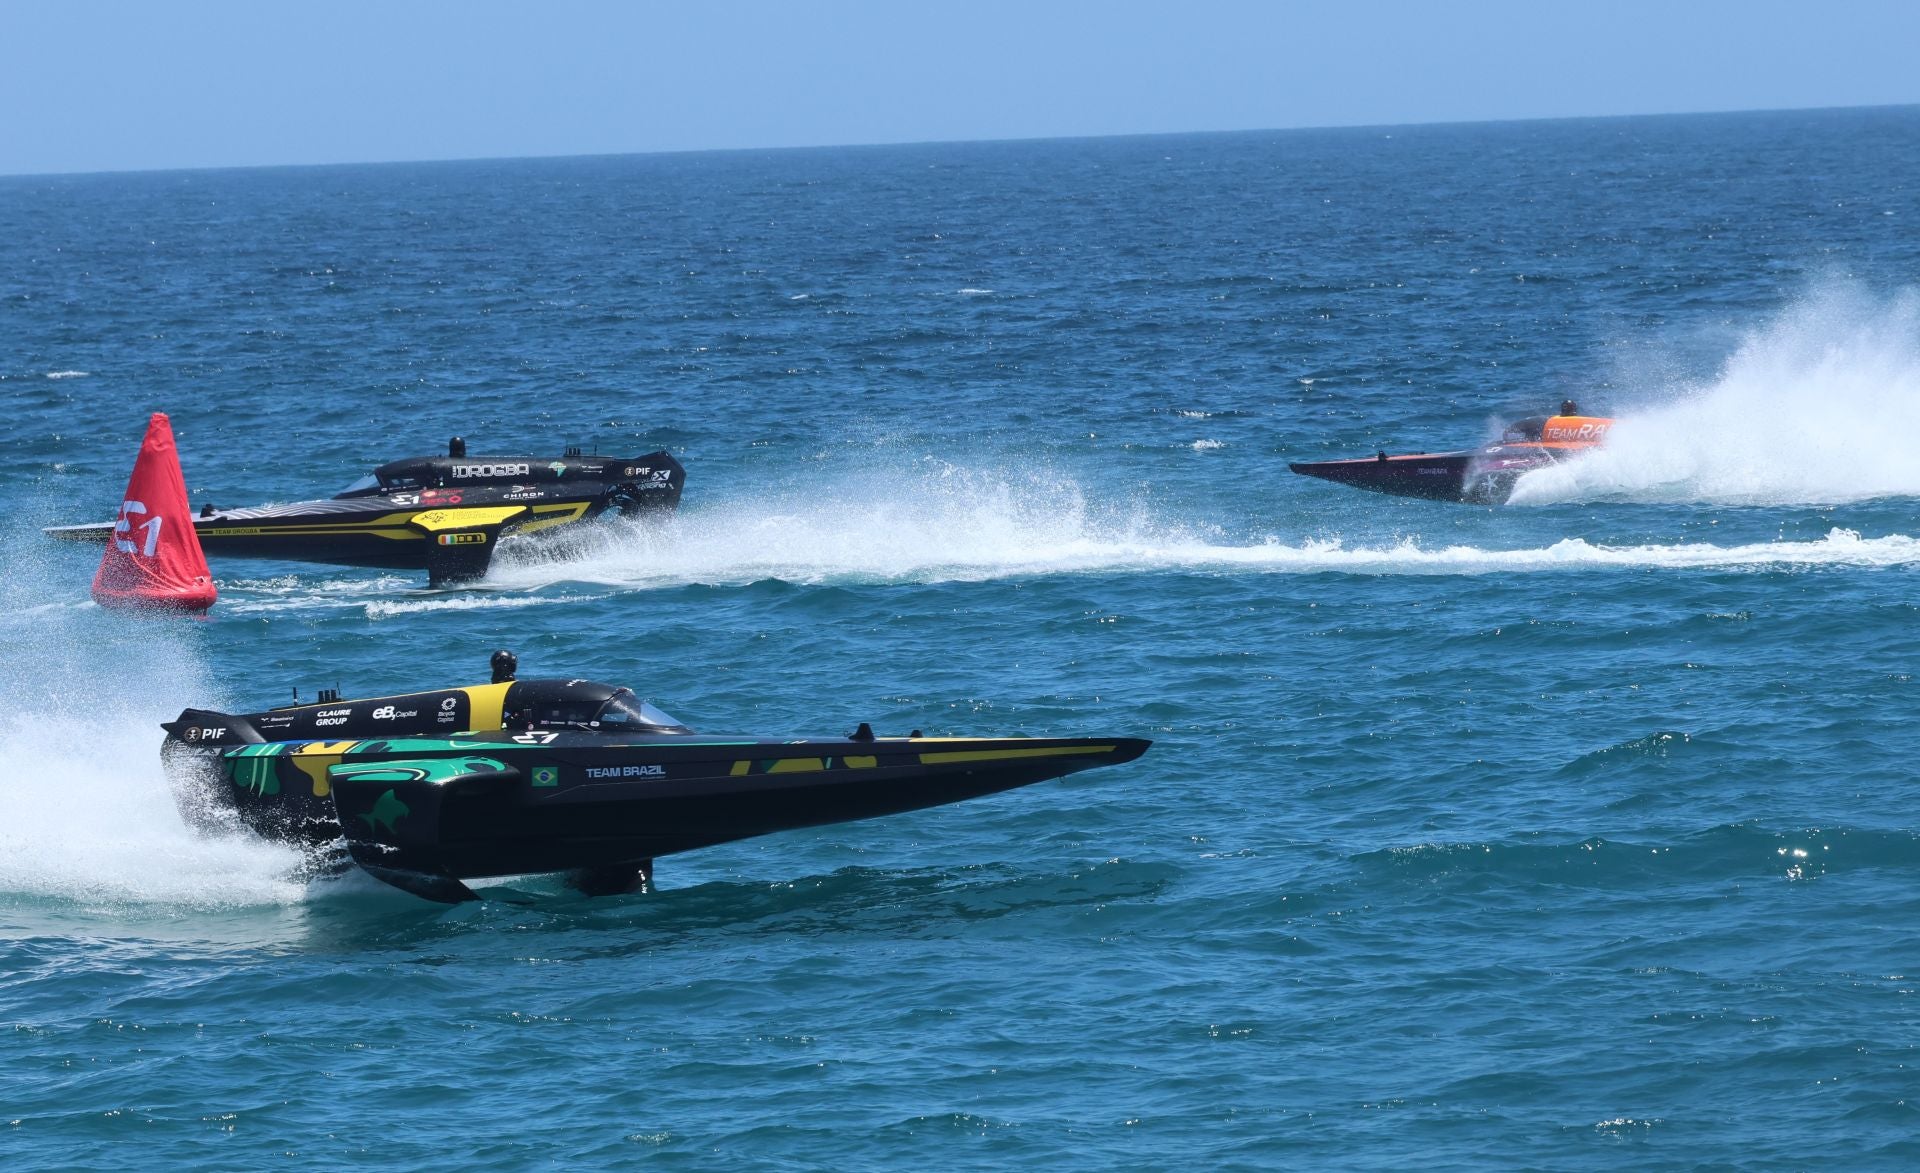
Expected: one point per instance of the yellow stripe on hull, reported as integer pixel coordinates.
(797, 766)
(473, 517)
(561, 515)
(313, 759)
(1009, 755)
(308, 531)
(487, 704)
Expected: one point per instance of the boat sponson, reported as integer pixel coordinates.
(517, 809)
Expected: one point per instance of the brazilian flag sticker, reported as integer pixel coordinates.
(546, 775)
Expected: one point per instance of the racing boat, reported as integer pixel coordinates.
(441, 514)
(1479, 476)
(430, 789)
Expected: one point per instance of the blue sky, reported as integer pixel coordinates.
(91, 85)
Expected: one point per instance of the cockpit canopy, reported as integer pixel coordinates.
(1522, 431)
(419, 472)
(454, 472)
(366, 486)
(583, 704)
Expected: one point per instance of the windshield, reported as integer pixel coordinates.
(362, 487)
(1527, 429)
(624, 710)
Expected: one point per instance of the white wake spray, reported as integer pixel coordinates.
(1821, 406)
(85, 812)
(886, 528)
(932, 522)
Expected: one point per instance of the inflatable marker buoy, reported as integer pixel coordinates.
(153, 559)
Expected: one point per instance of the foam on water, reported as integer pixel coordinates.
(1821, 405)
(85, 812)
(980, 527)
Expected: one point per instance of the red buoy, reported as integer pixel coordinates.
(153, 558)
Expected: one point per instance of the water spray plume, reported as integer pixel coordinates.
(1821, 406)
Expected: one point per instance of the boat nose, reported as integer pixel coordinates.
(1126, 749)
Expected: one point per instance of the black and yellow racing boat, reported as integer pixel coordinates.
(430, 789)
(441, 514)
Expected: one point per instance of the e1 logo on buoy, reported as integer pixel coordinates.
(138, 569)
(124, 524)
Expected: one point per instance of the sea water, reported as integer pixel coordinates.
(1576, 833)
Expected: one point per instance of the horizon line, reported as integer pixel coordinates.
(1041, 138)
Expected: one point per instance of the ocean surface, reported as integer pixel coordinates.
(1578, 833)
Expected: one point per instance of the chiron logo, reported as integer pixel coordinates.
(466, 471)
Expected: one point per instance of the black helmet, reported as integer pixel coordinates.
(1569, 407)
(504, 665)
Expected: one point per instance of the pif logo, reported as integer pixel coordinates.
(546, 775)
(463, 539)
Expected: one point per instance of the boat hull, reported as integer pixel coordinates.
(451, 533)
(1480, 476)
(428, 813)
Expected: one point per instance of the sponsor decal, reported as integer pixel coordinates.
(530, 495)
(447, 706)
(440, 497)
(405, 498)
(330, 721)
(559, 468)
(463, 539)
(393, 713)
(626, 771)
(334, 713)
(468, 471)
(547, 775)
(205, 734)
(534, 737)
(386, 812)
(1583, 432)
